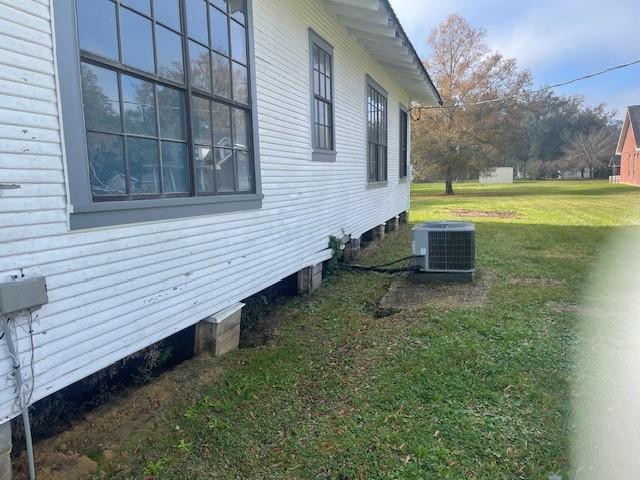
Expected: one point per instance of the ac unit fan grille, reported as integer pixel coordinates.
(451, 251)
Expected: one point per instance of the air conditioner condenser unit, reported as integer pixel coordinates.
(444, 251)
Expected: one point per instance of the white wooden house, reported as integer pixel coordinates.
(162, 160)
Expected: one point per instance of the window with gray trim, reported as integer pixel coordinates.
(404, 139)
(376, 133)
(322, 96)
(166, 98)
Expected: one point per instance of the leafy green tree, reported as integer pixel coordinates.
(451, 141)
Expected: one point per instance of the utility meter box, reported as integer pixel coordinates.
(21, 295)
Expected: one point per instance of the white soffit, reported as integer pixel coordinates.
(376, 27)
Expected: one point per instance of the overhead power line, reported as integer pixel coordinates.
(528, 92)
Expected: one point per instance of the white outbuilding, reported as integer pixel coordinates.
(499, 175)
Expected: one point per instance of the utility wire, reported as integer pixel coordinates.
(517, 95)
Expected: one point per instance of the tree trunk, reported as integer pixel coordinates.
(448, 186)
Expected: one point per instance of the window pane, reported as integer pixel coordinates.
(139, 106)
(97, 27)
(219, 31)
(144, 165)
(221, 75)
(240, 132)
(200, 67)
(167, 12)
(240, 85)
(169, 44)
(172, 113)
(330, 126)
(106, 164)
(372, 161)
(137, 43)
(201, 120)
(221, 4)
(197, 21)
(237, 8)
(101, 99)
(174, 167)
(316, 76)
(245, 174)
(238, 43)
(224, 170)
(139, 5)
(382, 163)
(320, 112)
(204, 169)
(221, 125)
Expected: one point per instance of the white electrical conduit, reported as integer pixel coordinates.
(23, 404)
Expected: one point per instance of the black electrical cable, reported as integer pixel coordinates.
(410, 257)
(381, 268)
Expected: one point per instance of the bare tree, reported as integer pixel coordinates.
(451, 141)
(590, 150)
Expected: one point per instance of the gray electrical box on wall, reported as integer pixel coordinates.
(23, 294)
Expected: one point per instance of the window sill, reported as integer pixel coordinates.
(323, 155)
(372, 185)
(105, 214)
(403, 180)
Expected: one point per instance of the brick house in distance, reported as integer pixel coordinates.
(629, 147)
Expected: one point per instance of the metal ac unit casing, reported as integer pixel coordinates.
(445, 247)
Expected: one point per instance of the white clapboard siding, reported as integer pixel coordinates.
(116, 290)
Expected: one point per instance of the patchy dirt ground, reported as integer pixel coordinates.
(405, 294)
(74, 454)
(537, 281)
(463, 212)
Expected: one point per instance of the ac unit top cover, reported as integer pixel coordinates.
(446, 226)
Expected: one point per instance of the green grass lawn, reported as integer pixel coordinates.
(446, 391)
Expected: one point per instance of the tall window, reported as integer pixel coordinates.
(166, 99)
(322, 101)
(376, 133)
(404, 138)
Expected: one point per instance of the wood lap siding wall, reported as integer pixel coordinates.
(116, 290)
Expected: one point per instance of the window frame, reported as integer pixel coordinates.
(87, 213)
(403, 160)
(321, 154)
(371, 83)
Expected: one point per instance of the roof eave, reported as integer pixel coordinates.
(378, 30)
(415, 53)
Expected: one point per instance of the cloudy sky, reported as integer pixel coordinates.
(556, 39)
